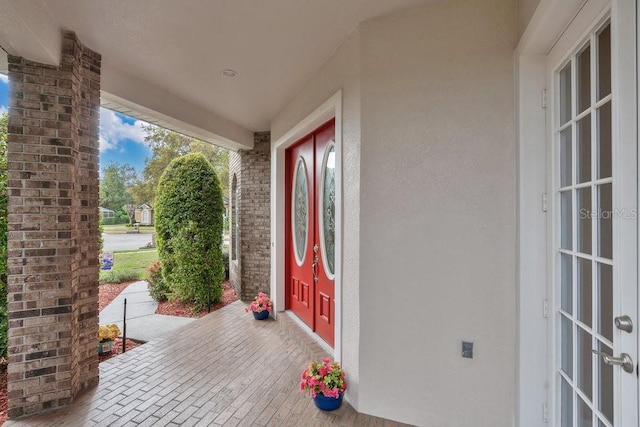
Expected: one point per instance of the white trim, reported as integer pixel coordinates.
(331, 108)
(625, 171)
(531, 292)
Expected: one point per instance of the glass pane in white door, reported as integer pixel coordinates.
(583, 77)
(604, 62)
(584, 284)
(583, 158)
(584, 234)
(565, 94)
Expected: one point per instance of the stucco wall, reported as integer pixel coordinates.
(429, 210)
(437, 203)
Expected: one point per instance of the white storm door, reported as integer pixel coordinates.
(594, 185)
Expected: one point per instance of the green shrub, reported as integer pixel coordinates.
(118, 276)
(158, 288)
(188, 220)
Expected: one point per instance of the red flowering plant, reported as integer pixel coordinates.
(326, 377)
(260, 304)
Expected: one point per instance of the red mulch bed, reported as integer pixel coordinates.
(107, 293)
(188, 310)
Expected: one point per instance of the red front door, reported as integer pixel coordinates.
(311, 230)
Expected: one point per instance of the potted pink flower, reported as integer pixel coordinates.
(325, 382)
(261, 306)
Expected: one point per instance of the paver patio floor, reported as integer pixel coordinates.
(224, 369)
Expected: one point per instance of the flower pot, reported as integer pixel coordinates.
(104, 346)
(328, 403)
(261, 315)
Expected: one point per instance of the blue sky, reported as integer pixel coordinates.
(122, 140)
(121, 137)
(4, 93)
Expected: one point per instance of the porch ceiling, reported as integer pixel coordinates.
(162, 59)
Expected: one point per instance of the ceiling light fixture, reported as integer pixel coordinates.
(229, 73)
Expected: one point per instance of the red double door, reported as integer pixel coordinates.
(310, 228)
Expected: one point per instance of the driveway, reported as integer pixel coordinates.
(114, 242)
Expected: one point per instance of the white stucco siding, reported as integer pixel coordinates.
(437, 214)
(340, 72)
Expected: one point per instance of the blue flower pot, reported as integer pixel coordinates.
(262, 315)
(328, 403)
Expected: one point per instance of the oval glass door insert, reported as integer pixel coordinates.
(300, 211)
(328, 209)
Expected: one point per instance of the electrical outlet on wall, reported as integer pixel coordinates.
(467, 349)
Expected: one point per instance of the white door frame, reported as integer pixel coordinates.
(331, 108)
(534, 403)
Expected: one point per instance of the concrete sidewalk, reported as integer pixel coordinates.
(142, 322)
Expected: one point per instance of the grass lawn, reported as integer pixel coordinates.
(129, 265)
(123, 229)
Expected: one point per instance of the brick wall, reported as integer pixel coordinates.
(250, 272)
(53, 228)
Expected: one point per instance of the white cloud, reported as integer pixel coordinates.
(4, 78)
(114, 131)
(3, 109)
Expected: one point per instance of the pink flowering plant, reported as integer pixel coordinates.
(326, 377)
(260, 304)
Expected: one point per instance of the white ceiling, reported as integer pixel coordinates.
(182, 46)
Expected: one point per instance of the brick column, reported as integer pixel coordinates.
(250, 271)
(53, 228)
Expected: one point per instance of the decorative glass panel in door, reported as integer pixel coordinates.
(300, 206)
(328, 210)
(300, 234)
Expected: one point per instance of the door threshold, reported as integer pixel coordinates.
(299, 332)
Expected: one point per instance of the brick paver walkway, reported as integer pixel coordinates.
(224, 369)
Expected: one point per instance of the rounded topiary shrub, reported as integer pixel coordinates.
(189, 220)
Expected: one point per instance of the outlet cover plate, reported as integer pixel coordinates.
(467, 349)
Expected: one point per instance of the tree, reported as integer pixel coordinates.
(116, 180)
(188, 220)
(4, 119)
(130, 209)
(167, 145)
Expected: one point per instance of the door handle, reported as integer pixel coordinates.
(624, 360)
(314, 264)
